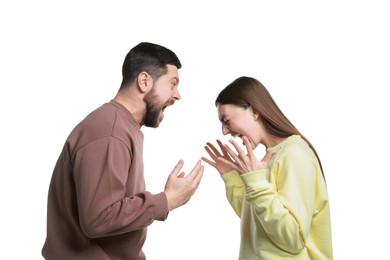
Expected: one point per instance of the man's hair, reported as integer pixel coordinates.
(147, 57)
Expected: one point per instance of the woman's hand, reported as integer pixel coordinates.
(247, 162)
(222, 162)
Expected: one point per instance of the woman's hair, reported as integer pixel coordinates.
(148, 57)
(249, 92)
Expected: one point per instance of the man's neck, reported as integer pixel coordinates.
(133, 103)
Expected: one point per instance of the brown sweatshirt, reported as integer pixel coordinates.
(97, 204)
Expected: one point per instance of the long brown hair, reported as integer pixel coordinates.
(247, 91)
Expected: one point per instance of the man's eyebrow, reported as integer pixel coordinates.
(177, 79)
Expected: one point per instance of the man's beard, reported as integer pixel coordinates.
(152, 113)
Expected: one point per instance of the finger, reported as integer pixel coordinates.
(238, 148)
(248, 147)
(177, 168)
(231, 153)
(198, 176)
(225, 154)
(215, 150)
(209, 162)
(212, 154)
(267, 158)
(195, 170)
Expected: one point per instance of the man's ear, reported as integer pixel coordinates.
(145, 82)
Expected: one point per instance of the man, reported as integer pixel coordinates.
(98, 207)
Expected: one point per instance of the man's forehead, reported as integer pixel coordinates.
(173, 71)
(172, 74)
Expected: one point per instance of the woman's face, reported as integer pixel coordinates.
(238, 122)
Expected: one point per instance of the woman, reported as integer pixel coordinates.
(282, 200)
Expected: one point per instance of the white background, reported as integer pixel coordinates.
(325, 63)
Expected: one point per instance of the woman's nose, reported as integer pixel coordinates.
(225, 130)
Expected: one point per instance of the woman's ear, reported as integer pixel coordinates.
(254, 113)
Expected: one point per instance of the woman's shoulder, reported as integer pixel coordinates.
(296, 146)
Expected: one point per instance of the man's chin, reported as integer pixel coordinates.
(154, 120)
(154, 124)
(157, 124)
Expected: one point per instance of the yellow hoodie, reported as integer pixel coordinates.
(284, 209)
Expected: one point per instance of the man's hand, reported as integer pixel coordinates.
(179, 188)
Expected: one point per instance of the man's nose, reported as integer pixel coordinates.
(176, 95)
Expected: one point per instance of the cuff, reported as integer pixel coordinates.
(256, 179)
(162, 206)
(231, 178)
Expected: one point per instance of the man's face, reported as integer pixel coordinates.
(163, 94)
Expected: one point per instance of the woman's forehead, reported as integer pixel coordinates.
(226, 109)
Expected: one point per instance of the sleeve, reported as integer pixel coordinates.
(285, 211)
(235, 190)
(101, 172)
